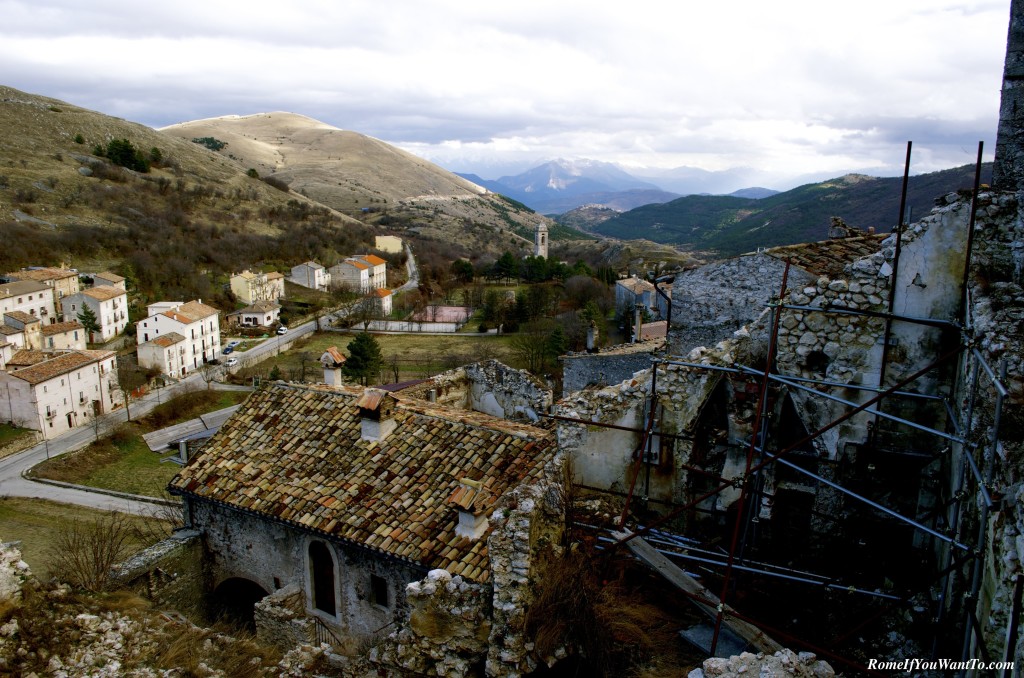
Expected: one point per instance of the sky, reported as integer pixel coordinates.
(787, 91)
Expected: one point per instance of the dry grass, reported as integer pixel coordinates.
(619, 629)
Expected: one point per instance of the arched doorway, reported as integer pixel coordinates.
(234, 600)
(322, 577)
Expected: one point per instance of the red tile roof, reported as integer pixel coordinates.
(294, 453)
(373, 259)
(60, 328)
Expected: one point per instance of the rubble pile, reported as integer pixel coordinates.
(778, 665)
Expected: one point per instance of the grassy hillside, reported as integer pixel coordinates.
(176, 231)
(373, 181)
(729, 225)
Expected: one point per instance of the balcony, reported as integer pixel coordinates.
(51, 414)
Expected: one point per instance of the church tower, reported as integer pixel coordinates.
(540, 241)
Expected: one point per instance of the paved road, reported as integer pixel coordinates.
(13, 484)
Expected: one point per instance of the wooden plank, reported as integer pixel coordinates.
(684, 582)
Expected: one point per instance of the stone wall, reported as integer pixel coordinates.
(490, 387)
(611, 365)
(274, 556)
(997, 289)
(170, 573)
(459, 628)
(711, 302)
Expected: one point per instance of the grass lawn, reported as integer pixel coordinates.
(122, 461)
(8, 433)
(34, 522)
(416, 355)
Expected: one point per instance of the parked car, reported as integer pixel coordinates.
(231, 362)
(233, 343)
(228, 349)
(282, 330)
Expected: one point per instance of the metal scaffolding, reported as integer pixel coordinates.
(971, 478)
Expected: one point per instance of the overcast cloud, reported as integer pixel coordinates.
(789, 89)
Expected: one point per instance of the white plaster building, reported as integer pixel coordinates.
(61, 391)
(108, 278)
(68, 335)
(28, 326)
(108, 303)
(352, 274)
(633, 292)
(30, 296)
(165, 353)
(195, 321)
(312, 275)
(259, 314)
(378, 270)
(382, 300)
(251, 287)
(63, 281)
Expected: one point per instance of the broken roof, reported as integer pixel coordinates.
(294, 453)
(828, 257)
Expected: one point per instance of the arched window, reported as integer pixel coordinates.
(321, 570)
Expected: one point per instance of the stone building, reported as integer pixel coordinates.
(336, 502)
(540, 240)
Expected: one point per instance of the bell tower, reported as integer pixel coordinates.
(540, 241)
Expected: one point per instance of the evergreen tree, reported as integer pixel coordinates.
(88, 319)
(364, 358)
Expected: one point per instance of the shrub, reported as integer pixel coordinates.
(275, 182)
(79, 139)
(253, 173)
(210, 143)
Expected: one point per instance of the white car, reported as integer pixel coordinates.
(282, 330)
(231, 362)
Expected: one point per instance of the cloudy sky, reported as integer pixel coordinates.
(790, 89)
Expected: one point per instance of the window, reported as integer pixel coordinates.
(379, 591)
(321, 570)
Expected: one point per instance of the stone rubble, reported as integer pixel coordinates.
(784, 663)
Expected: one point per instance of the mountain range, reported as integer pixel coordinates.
(730, 225)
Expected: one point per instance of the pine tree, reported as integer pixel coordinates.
(364, 358)
(88, 319)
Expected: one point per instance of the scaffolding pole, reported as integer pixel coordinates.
(749, 476)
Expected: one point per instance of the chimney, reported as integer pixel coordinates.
(467, 498)
(638, 319)
(592, 337)
(377, 412)
(332, 360)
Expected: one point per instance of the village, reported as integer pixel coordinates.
(804, 460)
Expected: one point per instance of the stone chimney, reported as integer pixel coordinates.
(377, 414)
(467, 498)
(333, 361)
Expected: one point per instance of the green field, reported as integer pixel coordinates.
(33, 522)
(122, 461)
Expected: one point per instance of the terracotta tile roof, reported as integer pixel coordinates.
(381, 292)
(42, 274)
(104, 292)
(57, 365)
(25, 358)
(829, 257)
(60, 328)
(190, 312)
(274, 275)
(112, 277)
(294, 453)
(166, 340)
(373, 259)
(356, 264)
(21, 317)
(335, 355)
(9, 331)
(258, 307)
(13, 289)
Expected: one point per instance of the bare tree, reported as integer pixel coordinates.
(83, 552)
(129, 378)
(210, 373)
